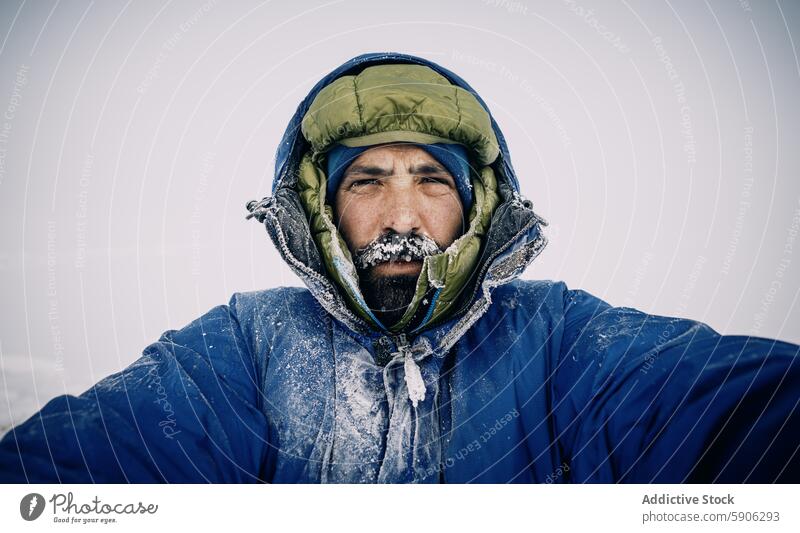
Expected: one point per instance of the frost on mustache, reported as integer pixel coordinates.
(395, 247)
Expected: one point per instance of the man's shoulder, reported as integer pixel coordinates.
(288, 313)
(530, 291)
(534, 285)
(274, 300)
(549, 298)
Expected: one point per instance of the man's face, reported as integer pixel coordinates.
(396, 191)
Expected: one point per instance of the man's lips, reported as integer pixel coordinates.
(398, 266)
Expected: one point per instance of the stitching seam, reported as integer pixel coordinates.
(358, 106)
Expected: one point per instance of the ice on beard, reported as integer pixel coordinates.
(396, 248)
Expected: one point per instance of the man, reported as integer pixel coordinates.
(414, 354)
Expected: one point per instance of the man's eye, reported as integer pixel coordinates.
(355, 184)
(440, 181)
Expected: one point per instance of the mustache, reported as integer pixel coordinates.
(395, 247)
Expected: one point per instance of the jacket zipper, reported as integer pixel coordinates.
(477, 309)
(536, 220)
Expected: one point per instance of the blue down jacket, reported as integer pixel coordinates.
(528, 381)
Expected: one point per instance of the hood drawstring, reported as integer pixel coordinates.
(413, 445)
(415, 384)
(414, 381)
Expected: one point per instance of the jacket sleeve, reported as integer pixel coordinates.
(186, 411)
(647, 398)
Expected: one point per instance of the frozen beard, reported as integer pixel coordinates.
(388, 296)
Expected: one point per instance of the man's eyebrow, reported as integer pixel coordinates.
(370, 170)
(428, 168)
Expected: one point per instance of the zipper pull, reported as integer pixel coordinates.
(258, 209)
(414, 382)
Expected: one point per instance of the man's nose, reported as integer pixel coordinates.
(401, 211)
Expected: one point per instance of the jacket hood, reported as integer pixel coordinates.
(512, 241)
(400, 103)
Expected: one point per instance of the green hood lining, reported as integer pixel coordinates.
(446, 273)
(398, 102)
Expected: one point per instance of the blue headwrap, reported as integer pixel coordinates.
(453, 157)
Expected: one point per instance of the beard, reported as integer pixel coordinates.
(388, 296)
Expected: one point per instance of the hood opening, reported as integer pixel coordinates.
(399, 103)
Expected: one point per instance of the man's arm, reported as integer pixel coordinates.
(671, 400)
(186, 411)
